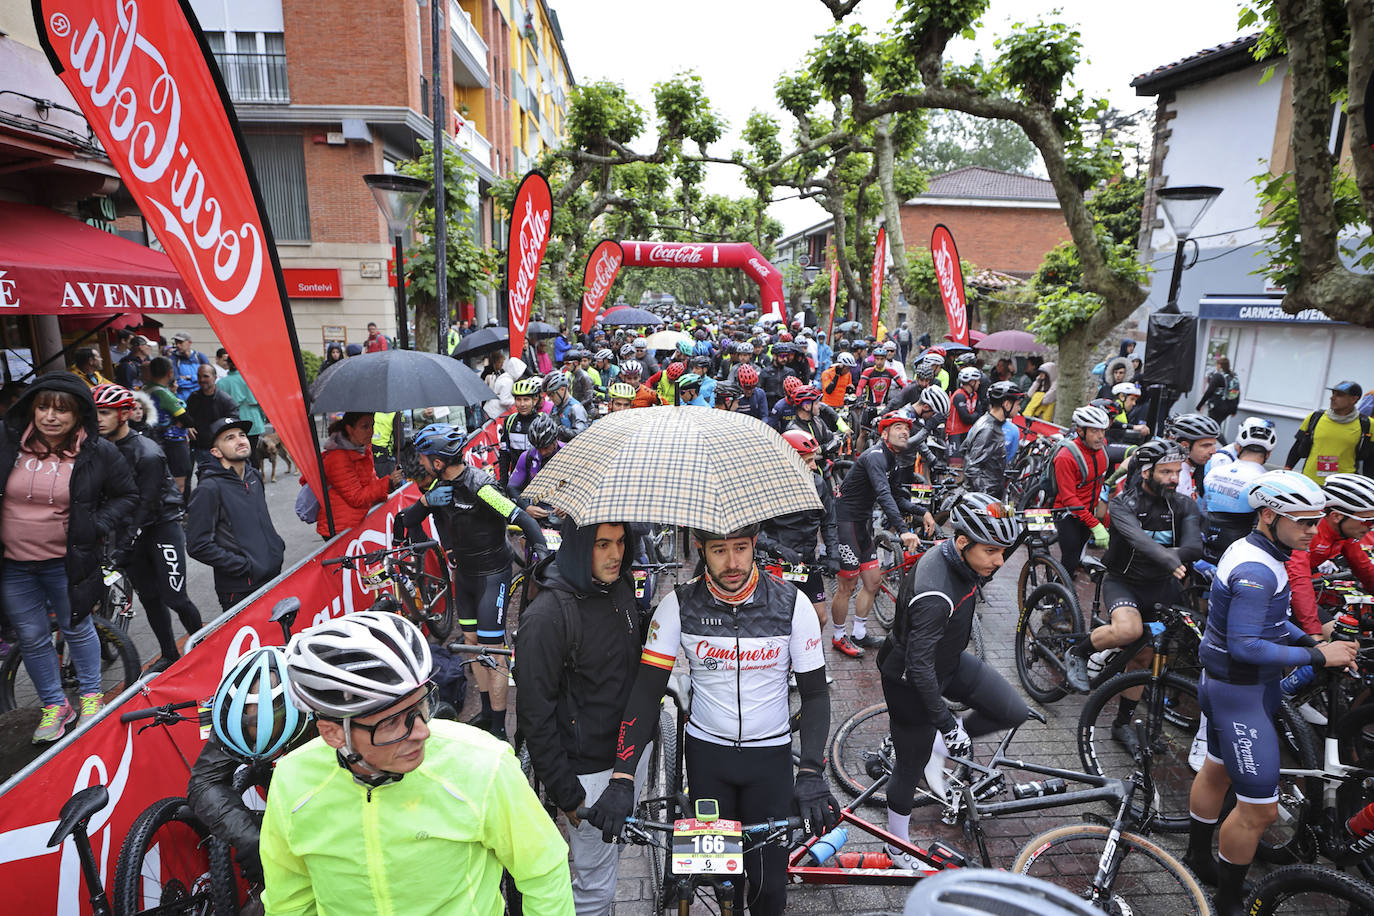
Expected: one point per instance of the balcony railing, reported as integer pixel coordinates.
(470, 139)
(460, 23)
(254, 77)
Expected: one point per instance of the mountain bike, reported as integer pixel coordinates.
(1310, 890)
(119, 667)
(415, 575)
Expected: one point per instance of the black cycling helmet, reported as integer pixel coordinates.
(1004, 391)
(728, 393)
(985, 520)
(1156, 451)
(702, 535)
(543, 431)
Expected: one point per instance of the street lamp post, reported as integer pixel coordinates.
(1184, 208)
(398, 197)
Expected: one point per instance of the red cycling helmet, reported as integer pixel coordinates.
(806, 393)
(784, 337)
(675, 371)
(111, 395)
(894, 417)
(790, 386)
(802, 441)
(748, 376)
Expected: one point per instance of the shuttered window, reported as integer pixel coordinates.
(279, 161)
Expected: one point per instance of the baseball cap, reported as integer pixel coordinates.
(224, 423)
(181, 335)
(1350, 388)
(138, 340)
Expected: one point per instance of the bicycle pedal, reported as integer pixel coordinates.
(946, 856)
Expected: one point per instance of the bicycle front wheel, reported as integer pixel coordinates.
(1049, 624)
(861, 748)
(432, 593)
(885, 602)
(1141, 877)
(1041, 567)
(1310, 890)
(164, 863)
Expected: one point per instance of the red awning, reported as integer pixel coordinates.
(51, 264)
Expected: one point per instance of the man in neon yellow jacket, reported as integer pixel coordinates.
(387, 812)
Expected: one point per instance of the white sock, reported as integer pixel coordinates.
(838, 630)
(898, 825)
(860, 627)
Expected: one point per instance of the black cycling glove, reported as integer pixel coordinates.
(615, 804)
(819, 810)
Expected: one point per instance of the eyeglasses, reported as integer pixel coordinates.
(1362, 522)
(397, 727)
(1301, 522)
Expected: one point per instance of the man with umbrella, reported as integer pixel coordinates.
(472, 512)
(742, 633)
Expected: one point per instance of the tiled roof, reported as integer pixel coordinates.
(1214, 61)
(977, 182)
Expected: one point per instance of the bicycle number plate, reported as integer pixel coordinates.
(796, 573)
(707, 848)
(641, 581)
(920, 492)
(1039, 520)
(553, 538)
(373, 577)
(1358, 598)
(109, 576)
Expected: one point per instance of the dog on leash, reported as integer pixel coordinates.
(270, 449)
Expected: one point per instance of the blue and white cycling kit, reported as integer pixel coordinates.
(1228, 487)
(1244, 651)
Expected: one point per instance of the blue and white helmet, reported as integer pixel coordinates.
(441, 440)
(252, 713)
(1285, 492)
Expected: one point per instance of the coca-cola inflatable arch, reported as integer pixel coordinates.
(713, 255)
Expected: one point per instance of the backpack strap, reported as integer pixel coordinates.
(572, 628)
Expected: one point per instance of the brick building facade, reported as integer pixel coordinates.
(1001, 221)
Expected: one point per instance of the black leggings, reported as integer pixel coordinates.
(751, 784)
(1073, 537)
(157, 569)
(996, 707)
(481, 604)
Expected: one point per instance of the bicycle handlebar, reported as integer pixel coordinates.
(465, 648)
(772, 825)
(168, 710)
(372, 556)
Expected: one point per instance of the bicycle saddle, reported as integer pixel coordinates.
(1094, 566)
(287, 607)
(79, 809)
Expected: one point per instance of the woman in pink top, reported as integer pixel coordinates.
(66, 492)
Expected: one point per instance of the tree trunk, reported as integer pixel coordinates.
(1071, 391)
(892, 214)
(426, 326)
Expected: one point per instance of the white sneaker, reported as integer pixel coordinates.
(935, 768)
(1311, 715)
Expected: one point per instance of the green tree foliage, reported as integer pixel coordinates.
(955, 140)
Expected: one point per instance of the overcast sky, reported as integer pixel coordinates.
(739, 48)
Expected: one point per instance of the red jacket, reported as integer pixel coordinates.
(963, 411)
(1074, 489)
(354, 487)
(1325, 546)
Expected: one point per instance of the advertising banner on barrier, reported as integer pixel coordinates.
(602, 266)
(139, 768)
(531, 221)
(142, 75)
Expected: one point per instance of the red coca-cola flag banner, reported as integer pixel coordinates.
(879, 263)
(834, 291)
(531, 219)
(602, 266)
(951, 278)
(141, 72)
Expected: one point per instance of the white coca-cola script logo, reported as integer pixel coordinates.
(604, 275)
(141, 104)
(676, 254)
(950, 291)
(759, 267)
(534, 232)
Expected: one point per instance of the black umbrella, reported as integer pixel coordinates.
(481, 342)
(393, 380)
(848, 326)
(625, 316)
(538, 330)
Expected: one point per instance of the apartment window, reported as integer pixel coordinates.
(279, 160)
(253, 65)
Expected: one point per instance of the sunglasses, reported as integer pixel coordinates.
(397, 727)
(1301, 522)
(1362, 522)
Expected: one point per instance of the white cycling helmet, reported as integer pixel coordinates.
(357, 664)
(1124, 388)
(935, 359)
(937, 399)
(1350, 493)
(1285, 492)
(1190, 427)
(1091, 417)
(1255, 432)
(969, 374)
(846, 359)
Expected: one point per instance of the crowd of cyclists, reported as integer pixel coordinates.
(369, 789)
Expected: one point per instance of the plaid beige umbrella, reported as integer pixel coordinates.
(690, 466)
